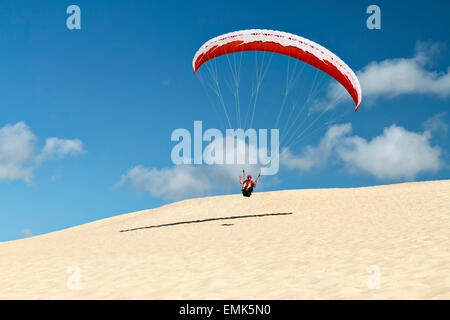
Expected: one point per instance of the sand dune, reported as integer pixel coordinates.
(384, 242)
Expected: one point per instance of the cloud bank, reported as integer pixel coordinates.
(396, 154)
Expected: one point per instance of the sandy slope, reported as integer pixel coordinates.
(322, 250)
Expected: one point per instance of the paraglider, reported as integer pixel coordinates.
(302, 119)
(283, 43)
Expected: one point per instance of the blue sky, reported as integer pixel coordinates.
(111, 93)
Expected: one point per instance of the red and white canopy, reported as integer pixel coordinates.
(283, 43)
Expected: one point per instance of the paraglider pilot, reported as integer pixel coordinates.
(248, 185)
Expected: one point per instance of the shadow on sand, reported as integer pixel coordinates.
(207, 220)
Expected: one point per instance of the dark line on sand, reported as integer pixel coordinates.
(210, 219)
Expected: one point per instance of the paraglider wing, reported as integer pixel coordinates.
(283, 43)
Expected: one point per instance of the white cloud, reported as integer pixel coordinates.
(18, 158)
(318, 155)
(394, 77)
(60, 148)
(16, 149)
(169, 183)
(395, 154)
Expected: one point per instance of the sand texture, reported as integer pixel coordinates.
(383, 242)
